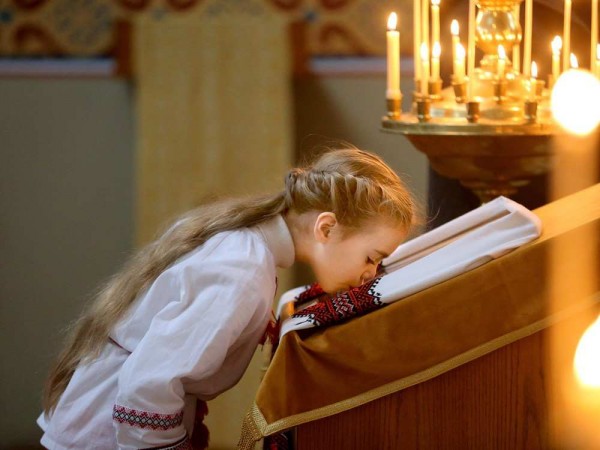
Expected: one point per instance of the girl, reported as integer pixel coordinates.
(182, 320)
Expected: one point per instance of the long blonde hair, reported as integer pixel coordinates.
(357, 186)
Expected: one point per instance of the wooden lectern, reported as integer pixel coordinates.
(482, 361)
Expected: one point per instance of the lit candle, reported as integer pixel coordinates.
(501, 61)
(393, 58)
(533, 81)
(527, 43)
(556, 46)
(594, 34)
(455, 37)
(435, 22)
(425, 69)
(517, 46)
(574, 62)
(417, 37)
(597, 62)
(436, 51)
(567, 34)
(471, 49)
(459, 64)
(425, 22)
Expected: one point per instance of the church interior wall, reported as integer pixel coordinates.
(67, 214)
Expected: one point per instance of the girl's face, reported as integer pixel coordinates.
(341, 262)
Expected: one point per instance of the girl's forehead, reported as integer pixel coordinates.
(380, 233)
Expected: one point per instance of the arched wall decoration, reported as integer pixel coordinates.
(183, 5)
(331, 32)
(286, 5)
(333, 27)
(335, 4)
(26, 36)
(29, 4)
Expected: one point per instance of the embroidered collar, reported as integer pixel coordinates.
(279, 240)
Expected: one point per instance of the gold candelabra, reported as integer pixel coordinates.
(491, 129)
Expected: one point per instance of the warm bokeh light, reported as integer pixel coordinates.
(424, 51)
(437, 50)
(575, 101)
(392, 21)
(454, 27)
(501, 52)
(556, 44)
(534, 69)
(587, 357)
(460, 51)
(574, 62)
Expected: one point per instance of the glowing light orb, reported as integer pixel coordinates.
(587, 357)
(575, 101)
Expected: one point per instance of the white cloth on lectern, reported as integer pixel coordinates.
(458, 246)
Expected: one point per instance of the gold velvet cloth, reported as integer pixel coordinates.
(320, 372)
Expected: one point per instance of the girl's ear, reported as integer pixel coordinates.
(324, 224)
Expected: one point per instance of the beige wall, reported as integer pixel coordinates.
(65, 222)
(349, 108)
(66, 214)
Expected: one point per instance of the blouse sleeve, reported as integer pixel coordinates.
(188, 339)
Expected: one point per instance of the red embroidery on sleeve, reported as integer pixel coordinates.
(344, 305)
(143, 419)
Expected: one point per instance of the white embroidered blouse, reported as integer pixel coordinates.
(190, 335)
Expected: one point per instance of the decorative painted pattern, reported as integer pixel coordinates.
(88, 28)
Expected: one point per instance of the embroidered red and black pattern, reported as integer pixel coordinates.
(313, 292)
(145, 419)
(342, 306)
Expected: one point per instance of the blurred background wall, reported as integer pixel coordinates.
(67, 202)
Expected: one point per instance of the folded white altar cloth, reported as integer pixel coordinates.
(458, 246)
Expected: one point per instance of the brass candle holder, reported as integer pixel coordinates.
(435, 89)
(394, 107)
(473, 111)
(423, 109)
(460, 91)
(530, 110)
(499, 90)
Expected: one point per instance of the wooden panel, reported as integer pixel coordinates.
(495, 402)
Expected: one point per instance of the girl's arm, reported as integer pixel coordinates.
(187, 342)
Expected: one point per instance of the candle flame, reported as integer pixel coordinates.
(460, 51)
(437, 50)
(392, 21)
(435, 2)
(556, 44)
(501, 52)
(534, 69)
(586, 362)
(424, 51)
(454, 27)
(574, 63)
